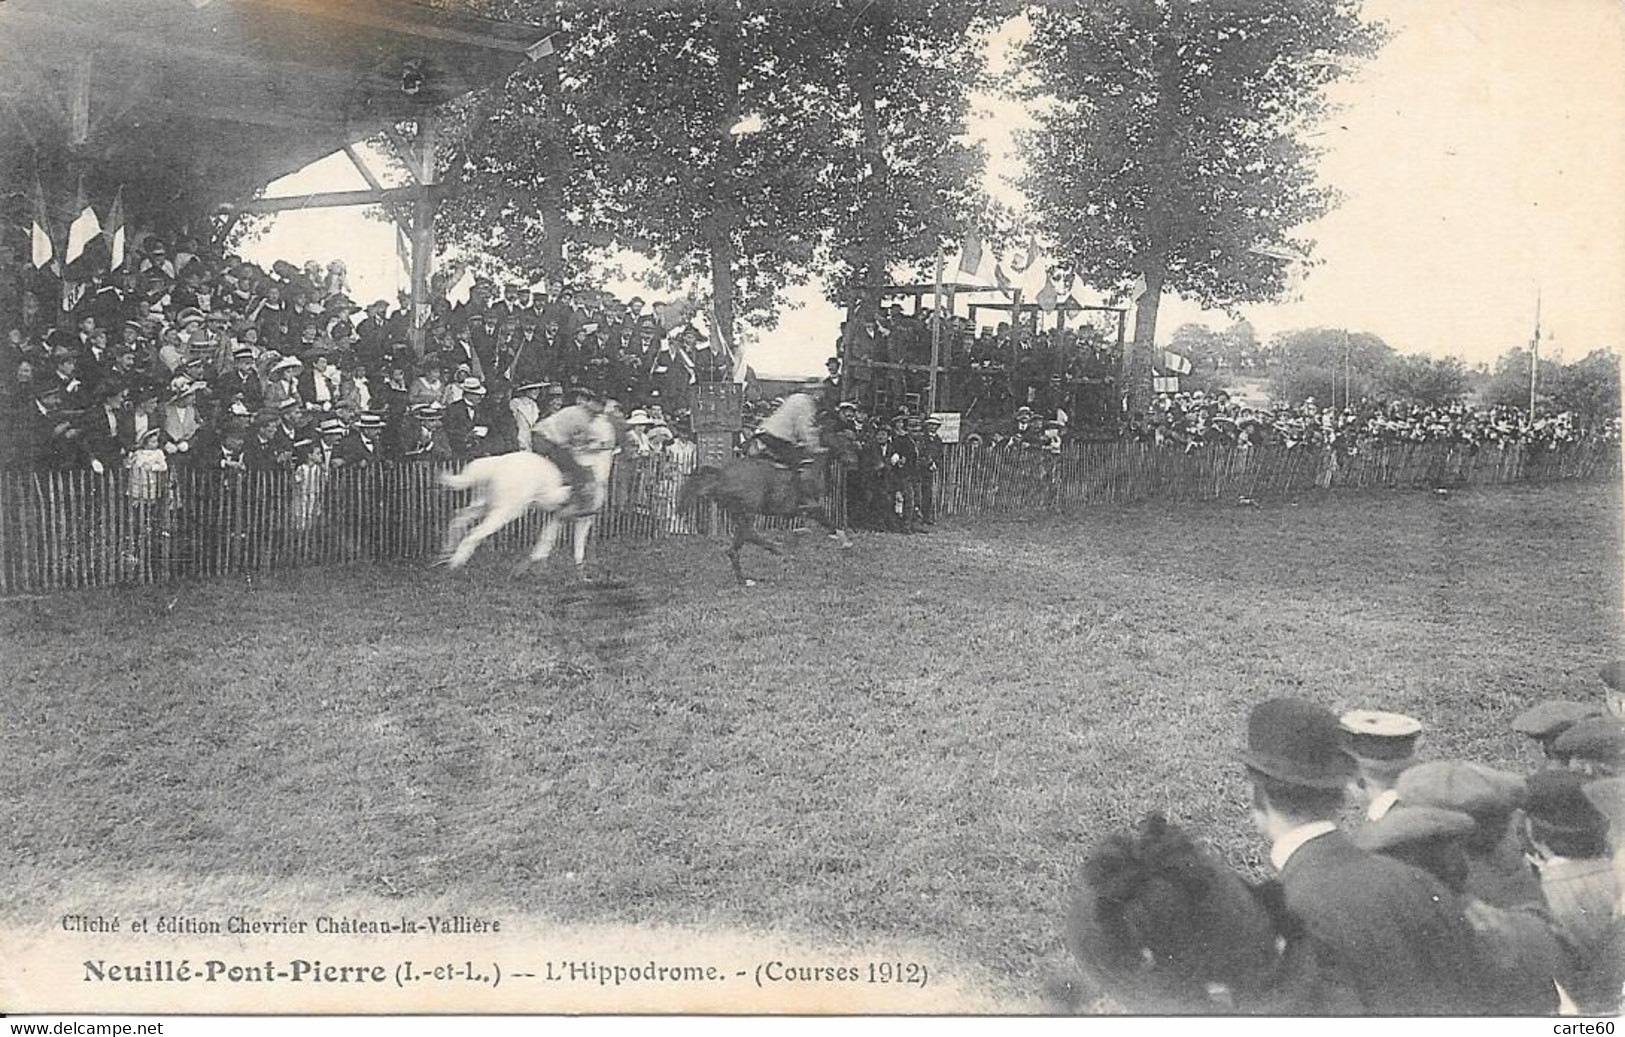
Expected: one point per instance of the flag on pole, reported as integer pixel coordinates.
(40, 230)
(462, 289)
(115, 232)
(1176, 363)
(970, 254)
(1002, 278)
(84, 229)
(1047, 296)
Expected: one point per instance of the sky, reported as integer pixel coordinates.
(1480, 156)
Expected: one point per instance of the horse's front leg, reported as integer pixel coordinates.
(583, 529)
(551, 528)
(741, 530)
(820, 516)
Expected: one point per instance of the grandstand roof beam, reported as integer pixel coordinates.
(335, 199)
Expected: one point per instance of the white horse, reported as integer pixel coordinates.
(508, 485)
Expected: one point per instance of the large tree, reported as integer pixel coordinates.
(887, 86)
(1171, 141)
(520, 158)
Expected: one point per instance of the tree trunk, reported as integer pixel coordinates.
(1143, 349)
(871, 271)
(550, 203)
(724, 213)
(722, 291)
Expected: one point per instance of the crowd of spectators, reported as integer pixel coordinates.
(986, 371)
(219, 363)
(1192, 420)
(1404, 879)
(189, 356)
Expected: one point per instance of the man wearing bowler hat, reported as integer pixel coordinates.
(1370, 935)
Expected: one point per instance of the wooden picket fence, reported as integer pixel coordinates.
(73, 529)
(1000, 481)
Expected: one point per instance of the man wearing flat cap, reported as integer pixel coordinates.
(1497, 873)
(1568, 840)
(1593, 747)
(1374, 936)
(1546, 721)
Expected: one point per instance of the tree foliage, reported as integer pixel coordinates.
(1170, 143)
(1424, 380)
(1589, 387)
(1327, 364)
(856, 160)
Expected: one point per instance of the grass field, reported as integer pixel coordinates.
(913, 740)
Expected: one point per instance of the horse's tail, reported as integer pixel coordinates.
(699, 485)
(472, 474)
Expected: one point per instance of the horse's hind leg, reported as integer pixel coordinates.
(466, 516)
(759, 540)
(492, 522)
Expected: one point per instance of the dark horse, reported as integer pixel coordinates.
(750, 486)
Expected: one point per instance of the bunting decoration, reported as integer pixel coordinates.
(115, 232)
(84, 229)
(1047, 297)
(970, 254)
(41, 249)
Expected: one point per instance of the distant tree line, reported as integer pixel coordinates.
(1334, 364)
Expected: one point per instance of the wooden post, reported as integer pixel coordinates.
(936, 335)
(423, 210)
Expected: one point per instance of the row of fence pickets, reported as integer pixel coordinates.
(73, 529)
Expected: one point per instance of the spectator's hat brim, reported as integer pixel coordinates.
(1370, 734)
(1298, 743)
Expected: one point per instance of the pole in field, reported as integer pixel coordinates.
(1534, 358)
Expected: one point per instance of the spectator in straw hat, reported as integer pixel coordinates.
(148, 466)
(362, 446)
(284, 384)
(1382, 746)
(468, 431)
(422, 436)
(1372, 935)
(525, 411)
(180, 416)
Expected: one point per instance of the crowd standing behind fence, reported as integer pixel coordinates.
(188, 383)
(79, 528)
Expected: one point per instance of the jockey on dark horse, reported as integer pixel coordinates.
(790, 436)
(557, 436)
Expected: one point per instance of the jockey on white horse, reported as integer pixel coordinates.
(567, 476)
(790, 435)
(559, 437)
